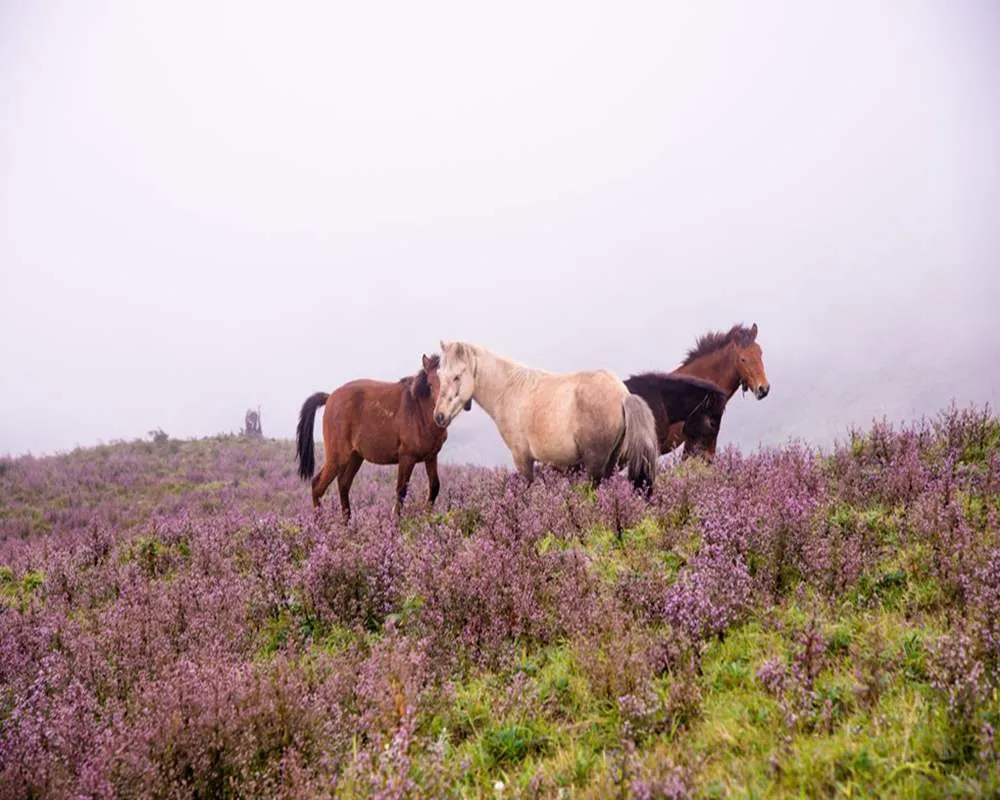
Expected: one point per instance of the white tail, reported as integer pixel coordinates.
(639, 449)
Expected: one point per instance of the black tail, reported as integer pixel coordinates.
(304, 435)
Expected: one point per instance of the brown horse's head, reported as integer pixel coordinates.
(750, 363)
(426, 383)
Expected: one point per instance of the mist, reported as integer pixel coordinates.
(216, 206)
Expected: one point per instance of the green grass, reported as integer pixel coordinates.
(20, 592)
(154, 557)
(874, 726)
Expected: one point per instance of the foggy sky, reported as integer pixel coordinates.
(209, 206)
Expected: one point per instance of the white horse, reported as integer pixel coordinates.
(560, 419)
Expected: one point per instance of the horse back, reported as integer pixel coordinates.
(361, 417)
(597, 405)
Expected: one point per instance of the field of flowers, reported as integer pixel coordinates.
(175, 621)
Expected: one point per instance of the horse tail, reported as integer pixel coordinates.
(304, 434)
(639, 447)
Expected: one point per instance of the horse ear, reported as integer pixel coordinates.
(444, 346)
(426, 362)
(753, 332)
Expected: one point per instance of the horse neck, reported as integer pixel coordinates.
(418, 416)
(417, 408)
(493, 377)
(718, 367)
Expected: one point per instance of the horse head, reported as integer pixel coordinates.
(701, 427)
(426, 384)
(750, 363)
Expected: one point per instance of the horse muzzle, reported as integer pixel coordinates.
(441, 419)
(763, 390)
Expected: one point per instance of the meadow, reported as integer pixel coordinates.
(176, 621)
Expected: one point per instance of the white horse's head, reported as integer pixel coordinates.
(457, 374)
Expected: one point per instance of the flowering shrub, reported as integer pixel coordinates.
(794, 684)
(354, 577)
(177, 619)
(961, 678)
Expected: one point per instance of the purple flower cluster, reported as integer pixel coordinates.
(176, 619)
(794, 683)
(715, 589)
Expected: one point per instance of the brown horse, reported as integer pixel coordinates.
(730, 360)
(695, 405)
(378, 421)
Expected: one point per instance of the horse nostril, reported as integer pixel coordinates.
(764, 390)
(439, 418)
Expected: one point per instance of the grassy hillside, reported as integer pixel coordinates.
(176, 621)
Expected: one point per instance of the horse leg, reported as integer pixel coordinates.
(433, 482)
(574, 471)
(525, 465)
(406, 465)
(597, 465)
(344, 481)
(323, 480)
(704, 450)
(673, 439)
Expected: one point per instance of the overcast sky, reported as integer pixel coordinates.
(208, 206)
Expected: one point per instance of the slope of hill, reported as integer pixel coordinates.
(175, 620)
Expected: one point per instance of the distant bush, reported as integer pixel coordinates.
(159, 436)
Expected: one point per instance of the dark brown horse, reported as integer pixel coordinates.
(694, 405)
(378, 421)
(731, 360)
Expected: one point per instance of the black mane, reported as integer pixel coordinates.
(419, 385)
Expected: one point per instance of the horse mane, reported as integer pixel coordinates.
(716, 340)
(419, 385)
(515, 370)
(462, 350)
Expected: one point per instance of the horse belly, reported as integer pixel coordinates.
(562, 453)
(379, 445)
(376, 439)
(551, 437)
